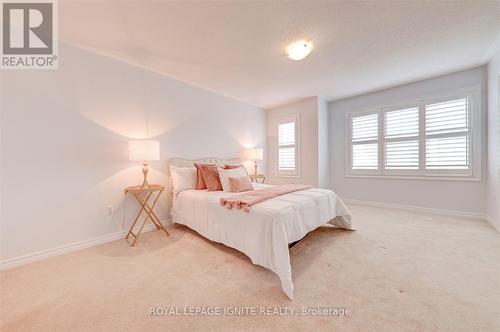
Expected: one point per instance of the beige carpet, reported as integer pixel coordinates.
(398, 272)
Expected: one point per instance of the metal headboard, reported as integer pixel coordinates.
(180, 162)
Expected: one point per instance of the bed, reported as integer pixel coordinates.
(265, 232)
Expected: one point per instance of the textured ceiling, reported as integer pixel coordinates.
(237, 48)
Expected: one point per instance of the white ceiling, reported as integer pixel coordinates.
(237, 48)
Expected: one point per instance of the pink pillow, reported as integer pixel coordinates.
(211, 177)
(226, 166)
(240, 184)
(200, 182)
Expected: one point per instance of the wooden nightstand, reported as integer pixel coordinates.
(259, 178)
(148, 193)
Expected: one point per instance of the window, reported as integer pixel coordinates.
(287, 150)
(447, 130)
(429, 138)
(365, 142)
(401, 138)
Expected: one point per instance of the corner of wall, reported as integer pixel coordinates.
(323, 143)
(314, 141)
(492, 198)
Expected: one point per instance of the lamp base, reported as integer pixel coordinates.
(145, 170)
(255, 168)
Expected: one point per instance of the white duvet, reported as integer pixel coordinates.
(264, 233)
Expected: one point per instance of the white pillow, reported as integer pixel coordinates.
(183, 178)
(225, 174)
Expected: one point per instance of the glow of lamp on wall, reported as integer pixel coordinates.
(254, 155)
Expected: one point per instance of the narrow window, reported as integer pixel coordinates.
(287, 149)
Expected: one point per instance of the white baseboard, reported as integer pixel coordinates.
(71, 247)
(493, 222)
(419, 209)
(450, 213)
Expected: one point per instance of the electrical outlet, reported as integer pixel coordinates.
(109, 210)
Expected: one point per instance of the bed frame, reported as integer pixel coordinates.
(179, 162)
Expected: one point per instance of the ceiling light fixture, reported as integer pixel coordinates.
(299, 50)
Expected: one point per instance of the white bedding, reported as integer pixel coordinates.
(264, 233)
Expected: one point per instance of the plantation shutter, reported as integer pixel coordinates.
(447, 135)
(365, 142)
(287, 146)
(401, 139)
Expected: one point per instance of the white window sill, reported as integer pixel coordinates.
(286, 175)
(421, 178)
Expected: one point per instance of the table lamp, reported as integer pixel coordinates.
(144, 150)
(255, 155)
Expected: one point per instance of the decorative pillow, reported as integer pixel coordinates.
(183, 178)
(225, 174)
(226, 166)
(211, 177)
(200, 182)
(239, 184)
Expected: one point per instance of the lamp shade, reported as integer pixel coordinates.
(144, 150)
(255, 154)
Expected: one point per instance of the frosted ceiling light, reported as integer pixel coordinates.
(299, 50)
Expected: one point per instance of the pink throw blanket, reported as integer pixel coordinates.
(246, 200)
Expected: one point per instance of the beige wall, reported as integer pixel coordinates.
(314, 151)
(492, 196)
(464, 196)
(64, 145)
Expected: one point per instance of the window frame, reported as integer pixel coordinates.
(475, 135)
(279, 121)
